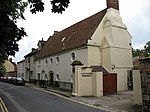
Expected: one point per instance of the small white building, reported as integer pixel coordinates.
(99, 40)
(30, 62)
(10, 68)
(21, 69)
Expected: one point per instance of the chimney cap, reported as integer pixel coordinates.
(113, 4)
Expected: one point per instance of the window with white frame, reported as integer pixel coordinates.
(39, 62)
(73, 56)
(57, 60)
(46, 62)
(57, 77)
(22, 65)
(51, 61)
(28, 60)
(18, 65)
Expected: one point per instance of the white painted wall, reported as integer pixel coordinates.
(97, 84)
(87, 83)
(21, 70)
(64, 68)
(137, 91)
(30, 66)
(109, 45)
(94, 55)
(114, 43)
(119, 48)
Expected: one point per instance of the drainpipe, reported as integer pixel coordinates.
(100, 50)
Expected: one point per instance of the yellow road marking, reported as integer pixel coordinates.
(3, 107)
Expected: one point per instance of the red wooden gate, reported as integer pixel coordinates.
(109, 83)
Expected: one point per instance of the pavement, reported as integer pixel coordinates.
(119, 102)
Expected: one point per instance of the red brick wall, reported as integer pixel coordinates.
(113, 4)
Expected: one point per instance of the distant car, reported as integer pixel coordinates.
(2, 79)
(5, 79)
(18, 81)
(10, 80)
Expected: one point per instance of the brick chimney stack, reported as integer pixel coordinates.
(113, 4)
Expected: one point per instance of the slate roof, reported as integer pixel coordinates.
(72, 37)
(21, 61)
(98, 68)
(31, 53)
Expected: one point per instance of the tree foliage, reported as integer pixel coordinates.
(2, 69)
(136, 52)
(10, 34)
(58, 6)
(10, 11)
(145, 51)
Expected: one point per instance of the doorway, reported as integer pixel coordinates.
(51, 78)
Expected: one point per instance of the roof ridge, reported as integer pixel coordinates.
(73, 36)
(84, 19)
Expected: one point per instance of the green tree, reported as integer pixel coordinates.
(136, 52)
(10, 34)
(147, 49)
(2, 69)
(58, 6)
(10, 11)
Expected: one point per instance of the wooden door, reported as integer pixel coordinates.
(109, 83)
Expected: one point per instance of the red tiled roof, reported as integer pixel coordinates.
(73, 36)
(31, 53)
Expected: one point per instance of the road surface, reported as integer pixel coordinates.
(27, 99)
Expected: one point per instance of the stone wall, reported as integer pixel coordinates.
(145, 83)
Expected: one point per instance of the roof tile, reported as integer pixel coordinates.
(73, 36)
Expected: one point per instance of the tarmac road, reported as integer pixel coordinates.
(26, 99)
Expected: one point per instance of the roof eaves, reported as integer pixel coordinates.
(37, 58)
(21, 61)
(31, 53)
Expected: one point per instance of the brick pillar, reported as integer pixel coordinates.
(113, 4)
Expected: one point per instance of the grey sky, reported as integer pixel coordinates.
(135, 14)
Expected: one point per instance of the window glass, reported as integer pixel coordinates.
(51, 61)
(73, 56)
(46, 62)
(28, 60)
(57, 60)
(39, 62)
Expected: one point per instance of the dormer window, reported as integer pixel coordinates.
(28, 60)
(57, 60)
(63, 39)
(39, 63)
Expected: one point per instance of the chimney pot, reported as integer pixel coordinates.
(113, 4)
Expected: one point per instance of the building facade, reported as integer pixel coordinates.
(21, 69)
(99, 40)
(30, 70)
(11, 68)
